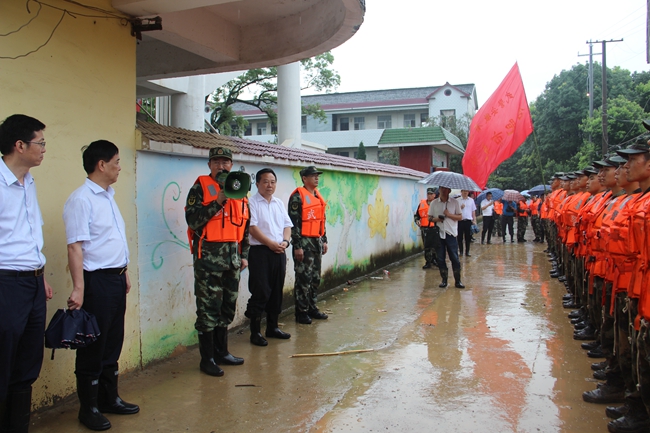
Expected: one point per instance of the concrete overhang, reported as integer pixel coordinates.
(209, 36)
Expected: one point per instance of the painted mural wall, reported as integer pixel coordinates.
(368, 216)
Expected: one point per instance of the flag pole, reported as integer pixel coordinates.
(539, 159)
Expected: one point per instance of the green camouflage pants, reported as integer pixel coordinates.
(497, 226)
(522, 222)
(216, 293)
(429, 249)
(305, 289)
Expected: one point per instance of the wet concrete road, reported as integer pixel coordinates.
(497, 356)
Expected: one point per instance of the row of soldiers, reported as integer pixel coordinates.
(598, 238)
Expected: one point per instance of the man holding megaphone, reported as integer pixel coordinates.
(217, 216)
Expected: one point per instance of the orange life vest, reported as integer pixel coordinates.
(522, 209)
(498, 207)
(534, 207)
(229, 224)
(423, 213)
(313, 213)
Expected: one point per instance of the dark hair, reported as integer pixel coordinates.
(17, 127)
(258, 175)
(100, 150)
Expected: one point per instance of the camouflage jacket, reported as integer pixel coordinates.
(297, 240)
(225, 255)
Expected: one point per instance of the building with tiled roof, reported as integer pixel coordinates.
(355, 117)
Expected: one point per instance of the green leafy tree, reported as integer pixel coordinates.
(623, 122)
(258, 88)
(361, 152)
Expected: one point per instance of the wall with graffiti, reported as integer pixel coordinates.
(368, 216)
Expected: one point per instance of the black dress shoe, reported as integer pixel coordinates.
(600, 375)
(303, 318)
(576, 313)
(427, 266)
(591, 345)
(277, 333)
(318, 315)
(615, 412)
(468, 255)
(561, 278)
(599, 365)
(629, 424)
(580, 335)
(605, 394)
(597, 353)
(554, 274)
(580, 325)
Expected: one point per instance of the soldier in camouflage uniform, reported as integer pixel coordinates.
(219, 243)
(421, 218)
(522, 220)
(309, 240)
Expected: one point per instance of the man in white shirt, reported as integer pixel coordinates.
(23, 289)
(468, 208)
(487, 210)
(446, 212)
(98, 256)
(269, 234)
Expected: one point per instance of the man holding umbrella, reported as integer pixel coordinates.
(446, 211)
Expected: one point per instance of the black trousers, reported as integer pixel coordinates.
(265, 281)
(22, 329)
(508, 221)
(488, 225)
(464, 234)
(105, 298)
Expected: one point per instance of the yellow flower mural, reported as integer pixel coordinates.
(378, 216)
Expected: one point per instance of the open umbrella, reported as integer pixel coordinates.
(451, 180)
(496, 195)
(512, 195)
(71, 329)
(539, 189)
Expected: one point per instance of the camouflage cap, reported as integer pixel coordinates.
(431, 190)
(589, 170)
(634, 149)
(605, 162)
(557, 175)
(220, 152)
(617, 160)
(308, 171)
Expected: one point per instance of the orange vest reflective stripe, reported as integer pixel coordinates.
(313, 213)
(423, 212)
(229, 224)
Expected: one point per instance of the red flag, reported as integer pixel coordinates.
(497, 129)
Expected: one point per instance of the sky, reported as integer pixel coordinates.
(420, 43)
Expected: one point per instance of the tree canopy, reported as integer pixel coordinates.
(258, 88)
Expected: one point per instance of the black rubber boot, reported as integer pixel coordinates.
(458, 284)
(272, 328)
(206, 348)
(108, 399)
(256, 335)
(18, 407)
(444, 274)
(89, 414)
(221, 354)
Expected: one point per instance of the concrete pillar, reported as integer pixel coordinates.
(187, 109)
(289, 105)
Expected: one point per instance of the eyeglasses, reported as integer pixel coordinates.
(40, 143)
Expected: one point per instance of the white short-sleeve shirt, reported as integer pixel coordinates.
(21, 223)
(91, 216)
(449, 226)
(270, 217)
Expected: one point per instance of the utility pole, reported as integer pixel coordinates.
(605, 145)
(590, 78)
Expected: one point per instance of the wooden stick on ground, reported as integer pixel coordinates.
(345, 352)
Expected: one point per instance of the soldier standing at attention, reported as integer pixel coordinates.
(309, 240)
(421, 218)
(218, 232)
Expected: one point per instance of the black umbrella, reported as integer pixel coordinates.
(539, 189)
(71, 329)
